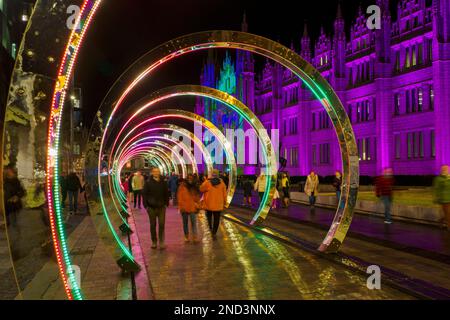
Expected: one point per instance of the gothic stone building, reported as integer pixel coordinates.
(394, 83)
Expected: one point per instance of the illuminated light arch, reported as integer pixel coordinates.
(140, 150)
(168, 164)
(162, 162)
(290, 60)
(126, 253)
(67, 64)
(166, 52)
(181, 161)
(115, 177)
(174, 113)
(158, 160)
(184, 132)
(165, 128)
(234, 104)
(163, 156)
(192, 161)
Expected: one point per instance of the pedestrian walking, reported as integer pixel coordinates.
(125, 185)
(337, 184)
(188, 196)
(63, 185)
(137, 184)
(214, 197)
(441, 187)
(173, 187)
(384, 186)
(13, 192)
(225, 179)
(156, 200)
(130, 185)
(285, 188)
(276, 197)
(312, 187)
(73, 189)
(260, 185)
(247, 186)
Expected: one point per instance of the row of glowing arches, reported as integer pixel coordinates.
(133, 146)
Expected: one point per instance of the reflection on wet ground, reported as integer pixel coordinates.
(31, 249)
(427, 239)
(242, 264)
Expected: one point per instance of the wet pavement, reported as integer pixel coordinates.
(425, 240)
(242, 264)
(8, 285)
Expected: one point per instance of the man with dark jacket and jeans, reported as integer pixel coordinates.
(156, 199)
(13, 192)
(73, 186)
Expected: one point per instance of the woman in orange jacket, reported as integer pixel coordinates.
(214, 197)
(188, 196)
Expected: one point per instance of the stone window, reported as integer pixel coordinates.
(432, 144)
(294, 157)
(407, 59)
(397, 104)
(431, 98)
(314, 154)
(419, 99)
(364, 149)
(325, 153)
(398, 146)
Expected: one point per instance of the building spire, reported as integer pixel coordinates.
(339, 11)
(244, 25)
(305, 29)
(339, 22)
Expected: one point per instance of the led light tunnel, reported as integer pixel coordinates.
(287, 58)
(169, 113)
(159, 56)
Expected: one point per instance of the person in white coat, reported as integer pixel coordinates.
(260, 185)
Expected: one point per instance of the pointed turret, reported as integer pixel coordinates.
(383, 35)
(339, 44)
(339, 11)
(244, 25)
(339, 30)
(245, 72)
(305, 44)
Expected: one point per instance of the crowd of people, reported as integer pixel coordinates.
(192, 195)
(197, 194)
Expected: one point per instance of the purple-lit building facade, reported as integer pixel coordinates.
(394, 83)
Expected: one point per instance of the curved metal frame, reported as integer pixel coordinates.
(174, 113)
(289, 59)
(164, 53)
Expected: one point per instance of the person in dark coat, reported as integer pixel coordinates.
(63, 185)
(173, 186)
(225, 179)
(337, 184)
(13, 194)
(130, 184)
(156, 200)
(73, 188)
(247, 185)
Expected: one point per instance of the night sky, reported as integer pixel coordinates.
(121, 33)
